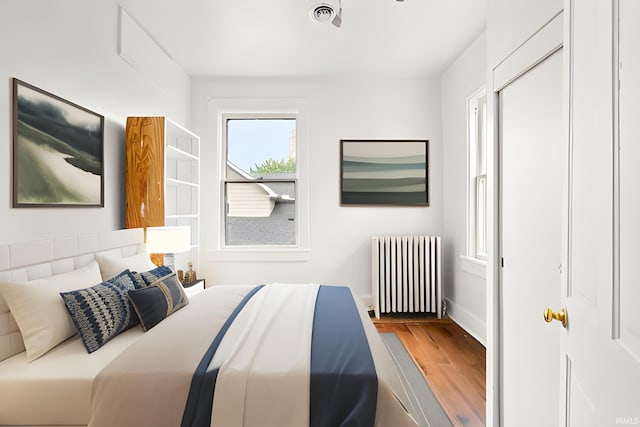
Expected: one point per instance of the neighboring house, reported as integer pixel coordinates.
(257, 212)
(251, 200)
(248, 200)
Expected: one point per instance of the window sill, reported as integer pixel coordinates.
(474, 266)
(267, 254)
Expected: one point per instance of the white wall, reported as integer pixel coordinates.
(70, 48)
(340, 236)
(511, 22)
(465, 291)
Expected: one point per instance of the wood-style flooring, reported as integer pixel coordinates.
(451, 360)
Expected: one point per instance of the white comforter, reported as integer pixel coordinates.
(148, 385)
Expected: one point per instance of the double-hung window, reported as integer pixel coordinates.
(477, 175)
(260, 182)
(262, 164)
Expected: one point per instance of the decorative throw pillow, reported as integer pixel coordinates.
(153, 275)
(111, 266)
(39, 313)
(158, 301)
(102, 311)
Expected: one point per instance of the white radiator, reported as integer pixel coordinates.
(406, 274)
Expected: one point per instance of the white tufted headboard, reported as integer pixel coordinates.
(43, 258)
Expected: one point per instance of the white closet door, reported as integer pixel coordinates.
(531, 144)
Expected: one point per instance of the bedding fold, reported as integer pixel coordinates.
(344, 385)
(264, 361)
(200, 400)
(148, 384)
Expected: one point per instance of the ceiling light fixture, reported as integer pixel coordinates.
(322, 12)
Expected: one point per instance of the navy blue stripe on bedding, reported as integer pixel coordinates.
(197, 410)
(344, 384)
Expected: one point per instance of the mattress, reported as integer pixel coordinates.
(56, 388)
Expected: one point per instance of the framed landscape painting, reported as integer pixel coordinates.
(57, 151)
(393, 172)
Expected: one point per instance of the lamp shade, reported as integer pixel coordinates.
(168, 240)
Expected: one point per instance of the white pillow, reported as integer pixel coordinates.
(39, 310)
(112, 266)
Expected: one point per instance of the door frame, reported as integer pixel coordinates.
(547, 40)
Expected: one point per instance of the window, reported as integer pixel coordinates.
(261, 204)
(260, 180)
(477, 175)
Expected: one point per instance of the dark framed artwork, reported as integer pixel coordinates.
(57, 151)
(384, 172)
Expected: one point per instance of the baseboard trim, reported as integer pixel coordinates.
(467, 321)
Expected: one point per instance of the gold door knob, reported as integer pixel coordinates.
(549, 315)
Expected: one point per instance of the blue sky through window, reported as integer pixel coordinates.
(252, 141)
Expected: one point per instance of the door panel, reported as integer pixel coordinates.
(530, 135)
(602, 381)
(629, 102)
(584, 412)
(585, 85)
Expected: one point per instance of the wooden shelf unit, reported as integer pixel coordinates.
(163, 179)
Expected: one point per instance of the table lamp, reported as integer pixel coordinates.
(168, 241)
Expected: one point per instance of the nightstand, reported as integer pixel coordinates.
(194, 288)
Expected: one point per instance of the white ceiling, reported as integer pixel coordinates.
(278, 38)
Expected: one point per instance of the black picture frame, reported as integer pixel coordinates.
(58, 151)
(384, 172)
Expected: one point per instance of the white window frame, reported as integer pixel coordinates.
(476, 176)
(224, 109)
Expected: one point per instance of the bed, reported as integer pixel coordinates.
(254, 355)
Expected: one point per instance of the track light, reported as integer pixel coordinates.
(337, 19)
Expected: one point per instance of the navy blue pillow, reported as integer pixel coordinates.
(102, 311)
(158, 301)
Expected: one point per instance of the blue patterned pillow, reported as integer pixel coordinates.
(102, 311)
(158, 301)
(145, 278)
(152, 275)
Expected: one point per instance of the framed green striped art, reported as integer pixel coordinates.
(384, 172)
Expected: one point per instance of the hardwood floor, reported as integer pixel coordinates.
(452, 361)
